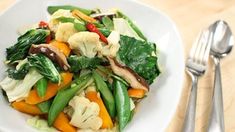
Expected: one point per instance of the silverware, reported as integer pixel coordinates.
(222, 44)
(196, 66)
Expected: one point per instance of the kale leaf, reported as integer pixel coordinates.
(139, 56)
(20, 50)
(81, 62)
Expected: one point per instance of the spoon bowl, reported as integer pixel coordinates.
(223, 40)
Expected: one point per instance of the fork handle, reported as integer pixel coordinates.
(218, 96)
(189, 123)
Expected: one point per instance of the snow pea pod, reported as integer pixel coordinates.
(66, 94)
(52, 9)
(122, 101)
(106, 94)
(108, 22)
(41, 87)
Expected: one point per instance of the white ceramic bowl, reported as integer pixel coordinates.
(156, 111)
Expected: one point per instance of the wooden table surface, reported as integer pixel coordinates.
(190, 17)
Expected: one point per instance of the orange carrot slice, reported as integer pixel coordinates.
(136, 93)
(52, 89)
(104, 115)
(63, 47)
(26, 108)
(62, 123)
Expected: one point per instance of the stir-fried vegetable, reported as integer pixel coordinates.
(41, 87)
(137, 30)
(45, 67)
(52, 9)
(140, 56)
(20, 73)
(106, 93)
(20, 49)
(108, 22)
(82, 62)
(65, 95)
(83, 70)
(122, 103)
(45, 106)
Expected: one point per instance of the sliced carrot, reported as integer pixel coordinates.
(62, 123)
(63, 47)
(26, 108)
(136, 93)
(52, 89)
(79, 14)
(104, 115)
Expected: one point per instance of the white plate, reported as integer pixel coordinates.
(155, 111)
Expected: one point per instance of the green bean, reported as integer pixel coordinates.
(122, 101)
(45, 106)
(108, 23)
(41, 87)
(106, 32)
(52, 9)
(66, 94)
(134, 27)
(106, 94)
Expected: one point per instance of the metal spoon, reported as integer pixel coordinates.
(222, 45)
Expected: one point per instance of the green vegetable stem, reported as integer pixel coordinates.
(66, 94)
(122, 101)
(106, 93)
(41, 87)
(52, 9)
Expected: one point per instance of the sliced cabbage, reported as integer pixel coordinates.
(40, 124)
(19, 89)
(123, 27)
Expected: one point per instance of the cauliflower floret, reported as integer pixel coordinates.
(85, 114)
(86, 42)
(113, 45)
(54, 23)
(65, 31)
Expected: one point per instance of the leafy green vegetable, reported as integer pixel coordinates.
(52, 9)
(20, 50)
(108, 23)
(20, 73)
(45, 106)
(134, 27)
(77, 63)
(138, 55)
(78, 26)
(45, 67)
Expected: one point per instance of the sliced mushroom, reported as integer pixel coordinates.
(101, 15)
(51, 52)
(128, 74)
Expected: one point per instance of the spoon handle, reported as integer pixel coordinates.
(218, 96)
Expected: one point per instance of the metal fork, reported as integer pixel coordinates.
(196, 66)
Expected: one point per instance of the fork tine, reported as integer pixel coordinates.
(204, 44)
(194, 47)
(207, 51)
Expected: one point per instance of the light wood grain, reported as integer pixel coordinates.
(190, 17)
